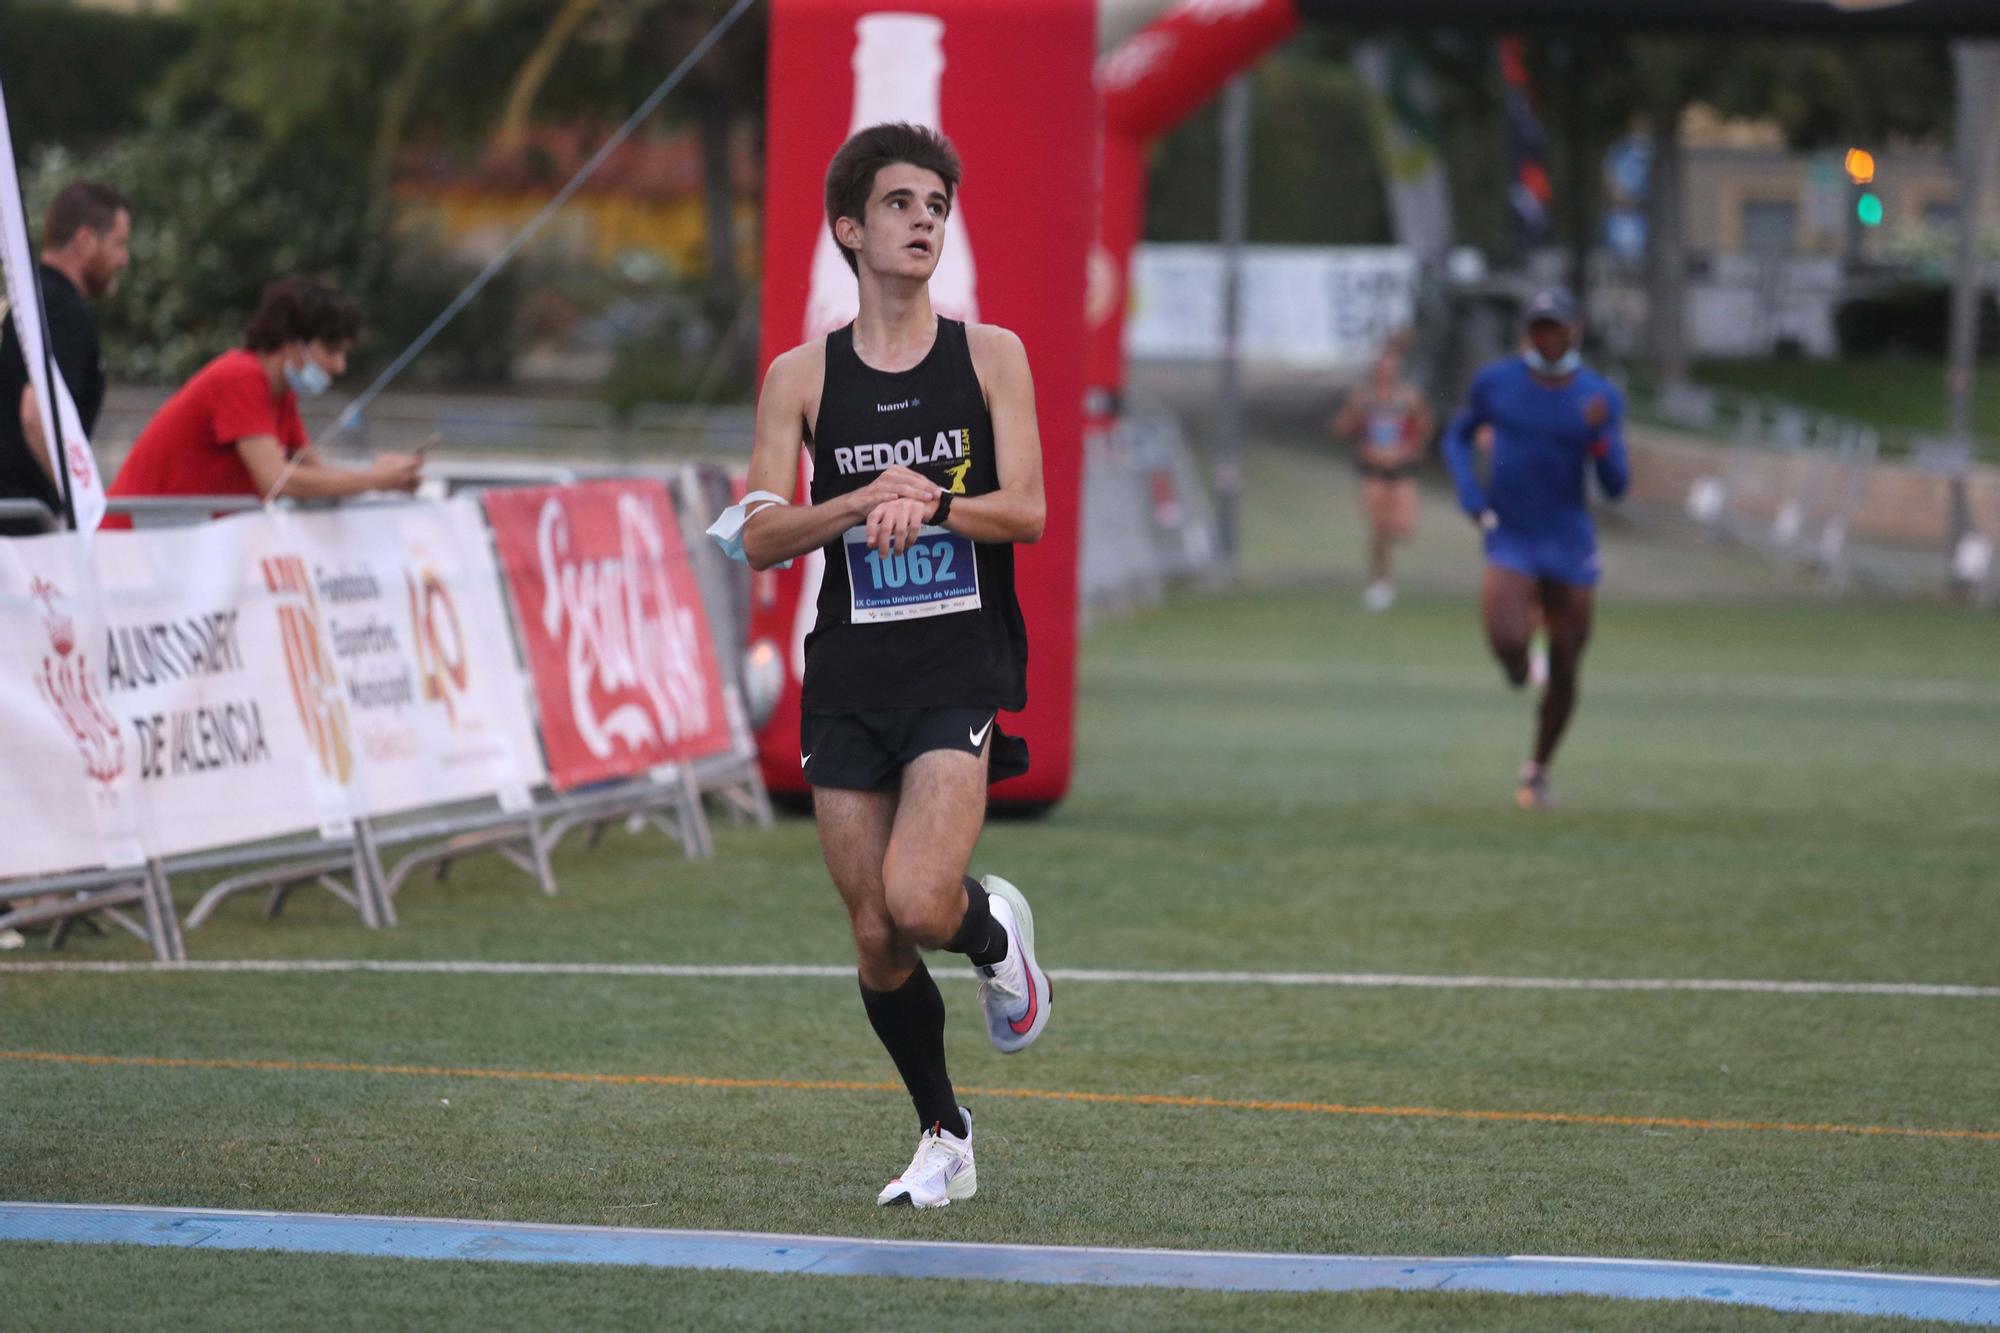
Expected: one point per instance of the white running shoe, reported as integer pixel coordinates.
(1015, 991)
(940, 1172)
(1381, 595)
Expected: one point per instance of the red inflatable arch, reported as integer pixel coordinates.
(1010, 82)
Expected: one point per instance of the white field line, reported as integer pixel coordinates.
(1696, 685)
(1360, 980)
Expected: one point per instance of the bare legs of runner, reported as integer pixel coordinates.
(1508, 601)
(899, 859)
(1391, 506)
(1392, 518)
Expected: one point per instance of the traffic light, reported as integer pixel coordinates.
(1860, 166)
(1869, 209)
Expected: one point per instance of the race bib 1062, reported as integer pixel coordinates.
(935, 577)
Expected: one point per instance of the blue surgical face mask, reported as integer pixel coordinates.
(1568, 364)
(309, 380)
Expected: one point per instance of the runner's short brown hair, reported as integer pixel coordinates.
(851, 175)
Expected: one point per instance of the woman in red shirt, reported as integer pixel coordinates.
(234, 427)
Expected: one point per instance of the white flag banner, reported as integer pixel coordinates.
(1402, 105)
(219, 676)
(71, 456)
(410, 595)
(68, 778)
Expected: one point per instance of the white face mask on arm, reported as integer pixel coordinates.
(727, 530)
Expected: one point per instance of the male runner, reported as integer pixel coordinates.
(1389, 425)
(926, 470)
(1551, 419)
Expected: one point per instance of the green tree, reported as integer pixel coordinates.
(221, 212)
(1313, 175)
(78, 77)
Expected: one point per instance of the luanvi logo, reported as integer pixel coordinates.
(315, 683)
(65, 685)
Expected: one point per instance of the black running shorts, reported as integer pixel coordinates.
(868, 751)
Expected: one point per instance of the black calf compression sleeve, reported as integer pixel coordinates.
(910, 1022)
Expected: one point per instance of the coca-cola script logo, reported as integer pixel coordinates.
(315, 682)
(1143, 53)
(65, 684)
(440, 641)
(621, 629)
(1221, 11)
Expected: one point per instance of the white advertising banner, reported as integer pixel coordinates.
(17, 263)
(1303, 306)
(177, 690)
(222, 684)
(409, 596)
(67, 766)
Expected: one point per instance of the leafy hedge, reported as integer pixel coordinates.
(219, 213)
(1911, 319)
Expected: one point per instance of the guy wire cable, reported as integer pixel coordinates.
(350, 416)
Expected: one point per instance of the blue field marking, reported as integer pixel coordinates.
(1960, 1300)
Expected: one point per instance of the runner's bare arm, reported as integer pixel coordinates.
(775, 533)
(1017, 512)
(1346, 423)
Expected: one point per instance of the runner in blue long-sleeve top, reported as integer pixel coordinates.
(1551, 421)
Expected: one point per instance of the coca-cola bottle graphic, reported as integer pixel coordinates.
(898, 67)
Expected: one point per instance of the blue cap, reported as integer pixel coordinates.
(1551, 305)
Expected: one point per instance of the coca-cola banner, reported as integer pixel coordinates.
(612, 625)
(1010, 81)
(409, 601)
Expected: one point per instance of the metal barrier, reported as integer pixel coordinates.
(354, 869)
(32, 511)
(1147, 517)
(1814, 488)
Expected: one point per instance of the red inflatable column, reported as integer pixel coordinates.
(1010, 82)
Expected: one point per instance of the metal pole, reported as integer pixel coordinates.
(1235, 218)
(1976, 63)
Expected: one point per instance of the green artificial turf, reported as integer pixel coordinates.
(1270, 781)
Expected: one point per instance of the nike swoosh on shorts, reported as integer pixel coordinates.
(979, 736)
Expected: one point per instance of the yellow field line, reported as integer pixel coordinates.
(1024, 1094)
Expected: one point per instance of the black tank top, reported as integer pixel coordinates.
(939, 626)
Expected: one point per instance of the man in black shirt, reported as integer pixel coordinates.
(84, 238)
(927, 471)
